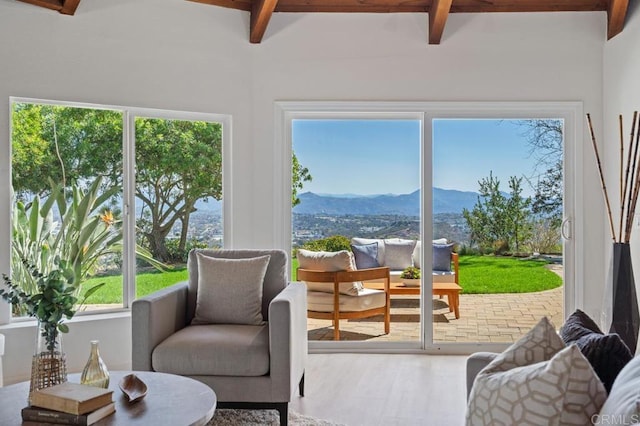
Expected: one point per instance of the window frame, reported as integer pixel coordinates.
(129, 115)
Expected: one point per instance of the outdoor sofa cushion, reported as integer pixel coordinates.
(416, 255)
(366, 255)
(329, 261)
(442, 257)
(398, 253)
(366, 299)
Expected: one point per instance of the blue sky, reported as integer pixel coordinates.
(382, 156)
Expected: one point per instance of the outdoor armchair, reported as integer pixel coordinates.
(247, 365)
(333, 305)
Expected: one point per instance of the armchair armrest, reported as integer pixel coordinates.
(154, 318)
(288, 339)
(475, 363)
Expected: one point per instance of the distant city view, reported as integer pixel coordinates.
(382, 216)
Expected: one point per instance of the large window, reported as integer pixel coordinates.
(498, 200)
(76, 169)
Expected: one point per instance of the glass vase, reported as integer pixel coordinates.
(49, 364)
(95, 372)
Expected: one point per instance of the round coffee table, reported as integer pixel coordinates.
(170, 400)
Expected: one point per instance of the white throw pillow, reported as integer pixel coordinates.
(536, 381)
(329, 261)
(398, 253)
(230, 290)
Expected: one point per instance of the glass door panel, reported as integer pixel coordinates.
(498, 198)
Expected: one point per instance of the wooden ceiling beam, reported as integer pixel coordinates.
(49, 4)
(69, 7)
(616, 14)
(437, 19)
(230, 4)
(260, 15)
(481, 6)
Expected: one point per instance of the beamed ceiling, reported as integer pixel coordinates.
(438, 10)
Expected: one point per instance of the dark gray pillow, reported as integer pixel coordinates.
(607, 353)
(442, 257)
(366, 255)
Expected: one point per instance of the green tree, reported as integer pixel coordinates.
(299, 175)
(517, 213)
(74, 145)
(178, 163)
(497, 221)
(545, 138)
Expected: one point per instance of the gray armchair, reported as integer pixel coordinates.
(248, 366)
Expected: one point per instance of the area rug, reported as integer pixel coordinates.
(263, 418)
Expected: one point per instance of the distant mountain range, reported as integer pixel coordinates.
(444, 201)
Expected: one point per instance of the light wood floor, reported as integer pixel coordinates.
(378, 389)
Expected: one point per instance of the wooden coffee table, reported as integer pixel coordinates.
(171, 400)
(451, 290)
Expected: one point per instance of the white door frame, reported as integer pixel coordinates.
(570, 112)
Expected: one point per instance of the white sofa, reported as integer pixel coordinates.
(399, 262)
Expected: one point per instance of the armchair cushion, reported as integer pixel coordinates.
(215, 350)
(329, 262)
(230, 290)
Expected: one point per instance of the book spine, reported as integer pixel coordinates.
(36, 415)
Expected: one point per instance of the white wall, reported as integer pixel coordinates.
(186, 56)
(621, 96)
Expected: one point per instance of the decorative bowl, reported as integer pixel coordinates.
(133, 388)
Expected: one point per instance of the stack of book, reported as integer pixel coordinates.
(68, 404)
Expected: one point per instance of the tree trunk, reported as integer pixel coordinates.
(189, 208)
(157, 244)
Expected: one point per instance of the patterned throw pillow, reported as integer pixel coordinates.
(606, 353)
(536, 381)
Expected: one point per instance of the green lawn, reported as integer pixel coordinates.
(478, 274)
(146, 283)
(490, 274)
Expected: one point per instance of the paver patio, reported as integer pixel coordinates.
(483, 318)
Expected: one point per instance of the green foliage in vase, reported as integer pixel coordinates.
(52, 302)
